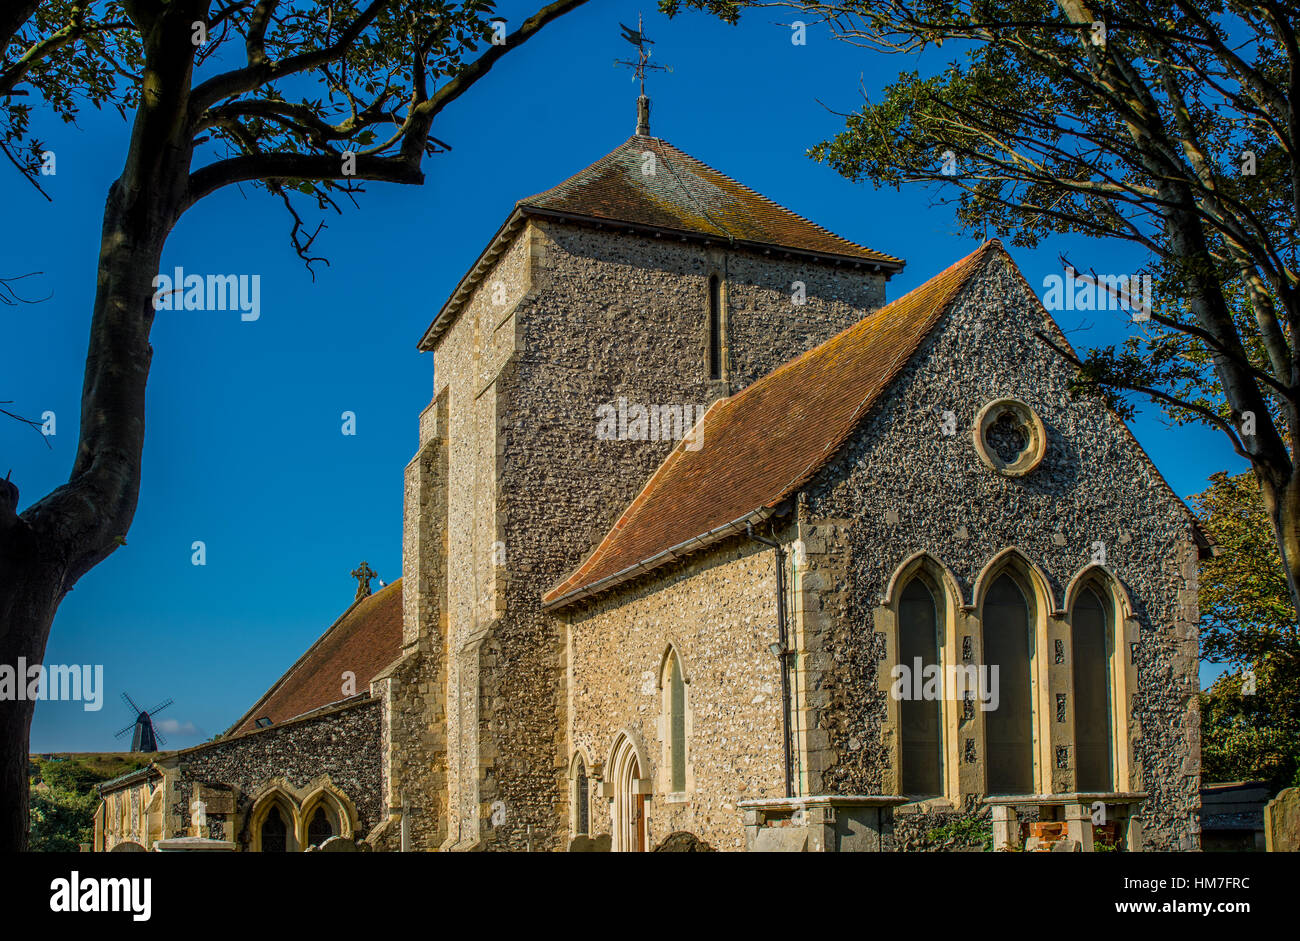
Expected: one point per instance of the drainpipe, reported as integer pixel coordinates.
(782, 652)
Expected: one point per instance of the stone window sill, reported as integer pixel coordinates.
(677, 797)
(926, 805)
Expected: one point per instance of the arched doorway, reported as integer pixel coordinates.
(628, 810)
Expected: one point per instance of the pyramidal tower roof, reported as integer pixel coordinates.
(647, 182)
(647, 185)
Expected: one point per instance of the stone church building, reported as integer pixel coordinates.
(702, 535)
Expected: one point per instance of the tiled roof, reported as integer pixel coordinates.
(364, 640)
(681, 194)
(759, 446)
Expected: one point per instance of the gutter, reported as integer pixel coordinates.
(782, 654)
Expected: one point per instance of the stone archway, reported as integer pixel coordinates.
(628, 817)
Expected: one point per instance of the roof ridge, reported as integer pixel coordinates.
(607, 192)
(529, 200)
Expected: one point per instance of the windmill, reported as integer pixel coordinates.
(146, 737)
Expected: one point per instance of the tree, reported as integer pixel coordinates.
(1170, 125)
(324, 95)
(1250, 716)
(61, 819)
(64, 801)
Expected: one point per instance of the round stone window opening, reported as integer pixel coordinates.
(1010, 437)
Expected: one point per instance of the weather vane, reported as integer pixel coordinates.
(637, 37)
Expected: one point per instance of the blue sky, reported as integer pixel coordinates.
(244, 449)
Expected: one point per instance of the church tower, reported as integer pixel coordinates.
(601, 321)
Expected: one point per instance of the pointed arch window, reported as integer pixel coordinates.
(275, 832)
(715, 327)
(676, 724)
(920, 717)
(1093, 650)
(1009, 731)
(581, 799)
(320, 828)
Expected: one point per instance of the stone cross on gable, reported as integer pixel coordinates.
(363, 575)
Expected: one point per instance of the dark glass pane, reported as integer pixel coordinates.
(1092, 709)
(921, 719)
(1009, 728)
(715, 328)
(320, 829)
(275, 832)
(584, 807)
(677, 697)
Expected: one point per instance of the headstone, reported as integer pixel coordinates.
(781, 840)
(194, 844)
(341, 844)
(1282, 822)
(821, 823)
(586, 844)
(683, 842)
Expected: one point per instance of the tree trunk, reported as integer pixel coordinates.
(28, 597)
(59, 538)
(1282, 501)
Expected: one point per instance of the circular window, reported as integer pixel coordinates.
(1009, 437)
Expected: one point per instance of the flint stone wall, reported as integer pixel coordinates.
(718, 612)
(343, 743)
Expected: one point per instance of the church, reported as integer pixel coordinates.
(707, 539)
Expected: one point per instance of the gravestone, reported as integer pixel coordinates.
(683, 842)
(194, 844)
(1282, 822)
(341, 844)
(586, 844)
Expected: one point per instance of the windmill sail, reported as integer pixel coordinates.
(145, 738)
